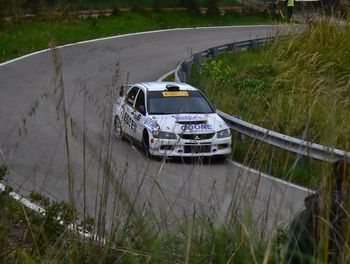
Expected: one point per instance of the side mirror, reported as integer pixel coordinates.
(121, 91)
(142, 109)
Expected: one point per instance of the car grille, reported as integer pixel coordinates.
(197, 136)
(197, 149)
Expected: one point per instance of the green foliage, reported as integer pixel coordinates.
(156, 5)
(301, 85)
(58, 216)
(298, 86)
(136, 240)
(24, 36)
(40, 199)
(17, 7)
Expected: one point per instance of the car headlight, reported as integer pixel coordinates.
(164, 135)
(223, 133)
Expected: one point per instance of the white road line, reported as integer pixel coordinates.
(24, 201)
(271, 178)
(125, 35)
(292, 185)
(165, 76)
(40, 210)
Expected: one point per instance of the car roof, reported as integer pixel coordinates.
(161, 86)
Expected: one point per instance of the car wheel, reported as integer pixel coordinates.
(117, 129)
(145, 144)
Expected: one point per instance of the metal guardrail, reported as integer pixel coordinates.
(295, 145)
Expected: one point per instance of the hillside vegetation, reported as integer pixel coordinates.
(299, 86)
(10, 8)
(18, 37)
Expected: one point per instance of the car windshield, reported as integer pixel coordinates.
(175, 102)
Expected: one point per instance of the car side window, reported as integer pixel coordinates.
(130, 98)
(140, 103)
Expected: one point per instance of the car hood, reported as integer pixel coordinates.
(185, 123)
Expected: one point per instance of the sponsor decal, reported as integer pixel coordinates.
(176, 93)
(150, 123)
(192, 127)
(130, 122)
(183, 118)
(137, 116)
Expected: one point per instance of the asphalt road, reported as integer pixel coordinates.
(33, 134)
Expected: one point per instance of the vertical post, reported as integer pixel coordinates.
(214, 52)
(197, 59)
(232, 46)
(254, 44)
(187, 70)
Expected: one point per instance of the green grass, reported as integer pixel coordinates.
(27, 237)
(25, 36)
(298, 86)
(141, 237)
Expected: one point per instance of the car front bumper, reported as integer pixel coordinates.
(190, 148)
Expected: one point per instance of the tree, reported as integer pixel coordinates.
(192, 6)
(156, 5)
(32, 6)
(213, 8)
(2, 8)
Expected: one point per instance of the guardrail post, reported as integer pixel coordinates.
(187, 68)
(214, 52)
(182, 73)
(232, 46)
(254, 44)
(240, 135)
(197, 59)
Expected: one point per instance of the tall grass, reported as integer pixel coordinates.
(298, 86)
(133, 229)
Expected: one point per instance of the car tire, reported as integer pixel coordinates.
(145, 144)
(117, 128)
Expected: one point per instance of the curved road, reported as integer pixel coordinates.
(33, 134)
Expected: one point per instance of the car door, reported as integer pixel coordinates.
(129, 124)
(139, 114)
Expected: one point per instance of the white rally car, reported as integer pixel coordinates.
(170, 119)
